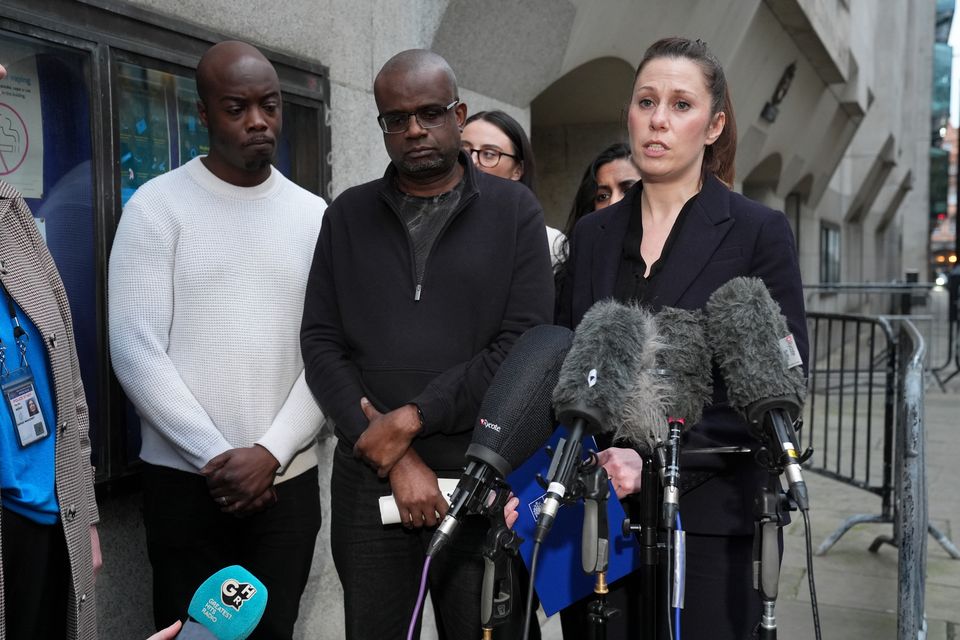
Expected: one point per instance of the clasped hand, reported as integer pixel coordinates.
(387, 436)
(241, 480)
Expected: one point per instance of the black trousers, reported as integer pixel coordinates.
(189, 539)
(720, 602)
(36, 577)
(380, 566)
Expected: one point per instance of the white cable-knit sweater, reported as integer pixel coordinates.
(206, 289)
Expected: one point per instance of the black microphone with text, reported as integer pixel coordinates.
(515, 419)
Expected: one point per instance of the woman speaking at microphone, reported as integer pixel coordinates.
(678, 235)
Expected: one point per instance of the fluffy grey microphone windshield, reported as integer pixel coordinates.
(744, 327)
(685, 360)
(615, 347)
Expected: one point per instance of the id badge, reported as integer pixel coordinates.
(20, 396)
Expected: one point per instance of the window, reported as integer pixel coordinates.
(158, 125)
(46, 152)
(829, 254)
(159, 129)
(100, 98)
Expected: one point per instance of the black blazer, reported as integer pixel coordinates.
(724, 236)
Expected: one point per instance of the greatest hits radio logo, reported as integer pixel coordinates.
(234, 593)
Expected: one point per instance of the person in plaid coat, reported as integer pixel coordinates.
(50, 548)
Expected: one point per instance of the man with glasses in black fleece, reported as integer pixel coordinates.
(421, 282)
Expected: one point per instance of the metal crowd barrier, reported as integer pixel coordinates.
(866, 392)
(850, 406)
(911, 522)
(929, 307)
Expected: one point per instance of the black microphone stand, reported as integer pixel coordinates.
(649, 548)
(594, 484)
(770, 505)
(501, 546)
(646, 532)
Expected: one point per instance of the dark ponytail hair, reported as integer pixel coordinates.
(521, 143)
(720, 157)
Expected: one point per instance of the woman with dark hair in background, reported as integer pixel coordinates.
(604, 182)
(498, 145)
(672, 241)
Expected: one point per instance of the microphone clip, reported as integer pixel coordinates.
(501, 546)
(772, 458)
(585, 484)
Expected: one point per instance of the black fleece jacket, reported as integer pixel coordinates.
(370, 329)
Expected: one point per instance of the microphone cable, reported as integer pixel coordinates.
(813, 589)
(674, 568)
(420, 598)
(528, 615)
(669, 586)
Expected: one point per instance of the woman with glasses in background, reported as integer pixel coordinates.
(498, 145)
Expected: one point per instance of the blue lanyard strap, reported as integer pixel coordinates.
(19, 335)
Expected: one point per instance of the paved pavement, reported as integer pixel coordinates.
(857, 589)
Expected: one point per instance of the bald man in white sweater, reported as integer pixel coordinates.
(206, 285)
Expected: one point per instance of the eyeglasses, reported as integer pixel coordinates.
(427, 118)
(488, 158)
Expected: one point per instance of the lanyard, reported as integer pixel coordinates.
(19, 335)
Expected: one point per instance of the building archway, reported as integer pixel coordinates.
(572, 120)
(763, 181)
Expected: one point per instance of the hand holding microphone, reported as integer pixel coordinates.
(624, 468)
(168, 633)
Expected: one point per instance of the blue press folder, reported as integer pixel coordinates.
(560, 580)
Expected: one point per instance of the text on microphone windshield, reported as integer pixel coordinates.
(791, 355)
(487, 424)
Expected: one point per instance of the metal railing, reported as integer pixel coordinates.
(850, 405)
(866, 394)
(911, 522)
(928, 306)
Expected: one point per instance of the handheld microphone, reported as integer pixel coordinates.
(685, 362)
(227, 606)
(514, 420)
(606, 385)
(762, 367)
